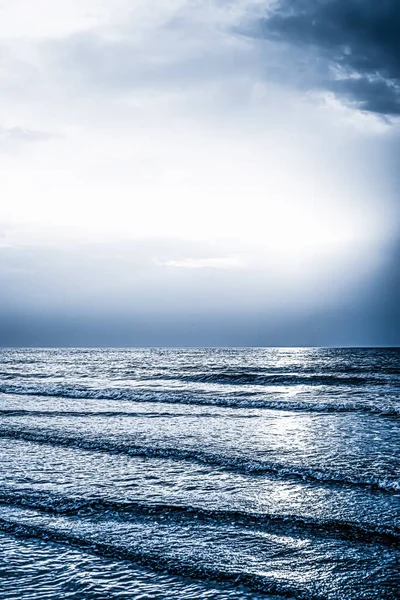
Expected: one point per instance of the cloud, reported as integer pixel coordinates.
(179, 46)
(26, 19)
(226, 262)
(12, 136)
(352, 47)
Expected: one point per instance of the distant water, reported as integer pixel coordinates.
(199, 474)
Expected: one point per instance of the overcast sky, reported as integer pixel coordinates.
(199, 172)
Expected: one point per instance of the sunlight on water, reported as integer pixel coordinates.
(241, 473)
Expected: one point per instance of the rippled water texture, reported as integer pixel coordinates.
(221, 474)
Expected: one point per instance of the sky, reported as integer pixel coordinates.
(199, 173)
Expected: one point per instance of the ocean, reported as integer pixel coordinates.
(199, 473)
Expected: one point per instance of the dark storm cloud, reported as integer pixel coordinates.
(357, 40)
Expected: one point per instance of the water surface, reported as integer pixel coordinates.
(209, 473)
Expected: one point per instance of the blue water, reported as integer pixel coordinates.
(209, 473)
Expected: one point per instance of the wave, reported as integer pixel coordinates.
(163, 414)
(116, 414)
(176, 397)
(284, 379)
(274, 523)
(159, 562)
(9, 375)
(248, 378)
(312, 368)
(228, 463)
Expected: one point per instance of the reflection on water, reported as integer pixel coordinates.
(232, 473)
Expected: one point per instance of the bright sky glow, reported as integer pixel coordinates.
(185, 128)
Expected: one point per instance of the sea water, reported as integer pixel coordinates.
(199, 473)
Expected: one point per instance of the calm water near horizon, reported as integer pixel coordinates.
(199, 473)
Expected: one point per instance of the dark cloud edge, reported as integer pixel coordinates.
(351, 48)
